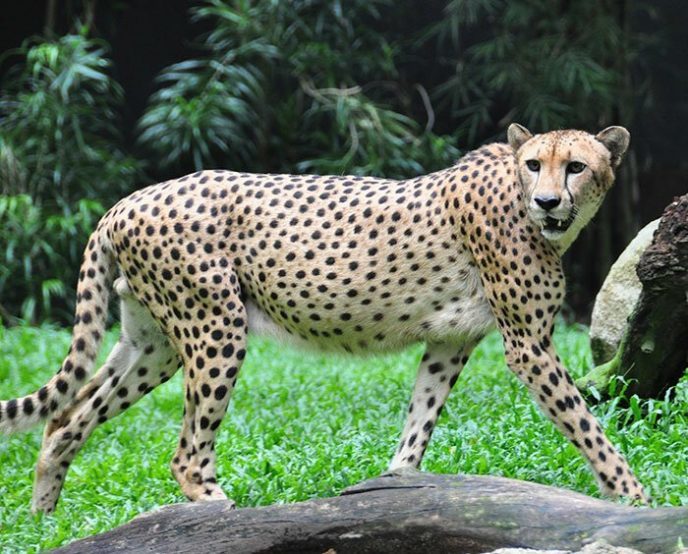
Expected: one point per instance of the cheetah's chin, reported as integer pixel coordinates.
(552, 235)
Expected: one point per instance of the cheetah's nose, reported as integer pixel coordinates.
(548, 202)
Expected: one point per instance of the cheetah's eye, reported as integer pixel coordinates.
(533, 165)
(575, 167)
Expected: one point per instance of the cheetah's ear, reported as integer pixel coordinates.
(616, 140)
(516, 135)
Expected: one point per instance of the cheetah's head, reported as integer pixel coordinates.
(565, 175)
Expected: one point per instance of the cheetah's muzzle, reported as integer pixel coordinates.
(555, 225)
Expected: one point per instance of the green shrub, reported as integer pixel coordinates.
(58, 149)
(58, 124)
(40, 255)
(370, 87)
(543, 64)
(285, 85)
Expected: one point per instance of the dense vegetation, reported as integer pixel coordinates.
(366, 86)
(304, 426)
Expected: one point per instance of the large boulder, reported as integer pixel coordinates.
(617, 298)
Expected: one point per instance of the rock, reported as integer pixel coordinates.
(597, 547)
(601, 547)
(617, 298)
(527, 551)
(653, 353)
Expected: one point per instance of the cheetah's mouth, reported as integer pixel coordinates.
(553, 225)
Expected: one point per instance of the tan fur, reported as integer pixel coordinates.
(346, 264)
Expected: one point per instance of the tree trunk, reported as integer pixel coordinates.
(411, 513)
(653, 354)
(49, 25)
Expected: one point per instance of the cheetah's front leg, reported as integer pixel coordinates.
(550, 384)
(438, 371)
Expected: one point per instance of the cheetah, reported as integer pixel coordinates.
(342, 263)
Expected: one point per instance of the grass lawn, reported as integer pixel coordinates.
(307, 425)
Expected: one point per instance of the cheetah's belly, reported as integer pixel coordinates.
(459, 313)
(260, 323)
(456, 321)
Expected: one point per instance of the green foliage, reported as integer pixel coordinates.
(351, 412)
(58, 124)
(58, 147)
(39, 253)
(204, 106)
(373, 140)
(545, 64)
(291, 84)
(370, 87)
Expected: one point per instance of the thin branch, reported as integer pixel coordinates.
(428, 107)
(322, 94)
(354, 141)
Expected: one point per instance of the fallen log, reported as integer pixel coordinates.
(653, 354)
(410, 513)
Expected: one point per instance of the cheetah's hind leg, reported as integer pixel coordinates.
(140, 361)
(213, 348)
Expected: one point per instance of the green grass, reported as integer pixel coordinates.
(307, 425)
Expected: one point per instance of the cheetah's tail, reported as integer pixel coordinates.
(93, 291)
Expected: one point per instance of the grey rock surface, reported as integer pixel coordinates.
(598, 547)
(617, 298)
